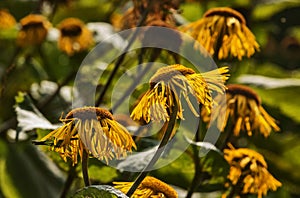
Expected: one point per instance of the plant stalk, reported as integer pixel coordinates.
(84, 163)
(170, 125)
(121, 59)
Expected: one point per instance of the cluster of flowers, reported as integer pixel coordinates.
(74, 35)
(224, 34)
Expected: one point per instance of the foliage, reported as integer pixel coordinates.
(37, 89)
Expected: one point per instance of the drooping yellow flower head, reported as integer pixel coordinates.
(74, 36)
(243, 111)
(223, 31)
(34, 30)
(149, 188)
(158, 10)
(169, 84)
(93, 129)
(248, 170)
(7, 20)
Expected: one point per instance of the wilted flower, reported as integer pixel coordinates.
(92, 129)
(157, 10)
(34, 30)
(74, 36)
(7, 21)
(169, 84)
(223, 31)
(248, 170)
(243, 111)
(149, 188)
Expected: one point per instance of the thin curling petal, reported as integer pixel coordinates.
(173, 83)
(92, 129)
(243, 111)
(149, 188)
(223, 32)
(250, 169)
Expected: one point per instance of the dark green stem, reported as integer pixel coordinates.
(228, 133)
(237, 189)
(69, 181)
(197, 164)
(121, 58)
(136, 81)
(197, 175)
(11, 66)
(170, 126)
(45, 102)
(84, 164)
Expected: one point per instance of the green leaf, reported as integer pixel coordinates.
(137, 162)
(278, 98)
(99, 191)
(103, 174)
(267, 9)
(25, 172)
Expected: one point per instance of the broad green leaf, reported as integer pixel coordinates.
(26, 173)
(137, 162)
(99, 191)
(100, 172)
(277, 98)
(179, 172)
(267, 9)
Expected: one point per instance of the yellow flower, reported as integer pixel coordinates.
(149, 188)
(157, 11)
(169, 84)
(34, 30)
(243, 111)
(93, 129)
(74, 36)
(248, 170)
(223, 31)
(7, 21)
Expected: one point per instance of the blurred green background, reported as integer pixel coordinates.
(274, 73)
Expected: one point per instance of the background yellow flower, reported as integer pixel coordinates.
(223, 31)
(248, 170)
(34, 30)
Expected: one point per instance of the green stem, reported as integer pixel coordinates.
(45, 102)
(136, 81)
(228, 135)
(237, 189)
(121, 58)
(84, 164)
(69, 181)
(11, 66)
(197, 175)
(170, 126)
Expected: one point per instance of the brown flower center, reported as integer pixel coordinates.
(226, 12)
(71, 30)
(33, 25)
(243, 90)
(167, 73)
(88, 113)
